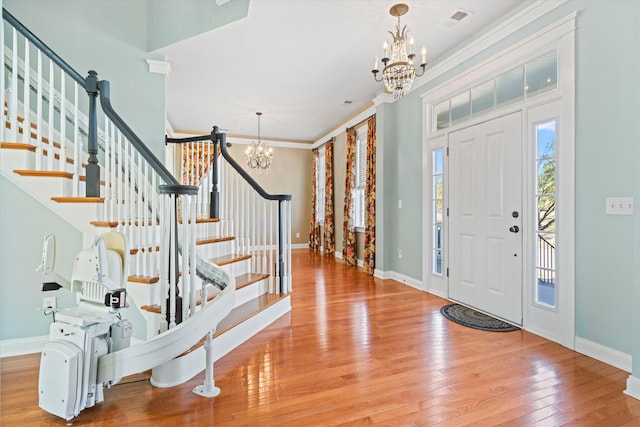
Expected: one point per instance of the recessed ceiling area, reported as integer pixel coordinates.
(305, 64)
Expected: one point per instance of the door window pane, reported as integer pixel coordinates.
(442, 115)
(510, 86)
(546, 286)
(460, 107)
(482, 97)
(437, 205)
(542, 74)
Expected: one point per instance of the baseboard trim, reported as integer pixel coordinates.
(22, 346)
(385, 275)
(300, 246)
(604, 354)
(633, 387)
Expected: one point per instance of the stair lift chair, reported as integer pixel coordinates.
(79, 336)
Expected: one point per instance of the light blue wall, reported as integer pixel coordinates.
(607, 88)
(109, 37)
(23, 224)
(605, 123)
(171, 21)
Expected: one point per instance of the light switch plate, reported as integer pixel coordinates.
(619, 206)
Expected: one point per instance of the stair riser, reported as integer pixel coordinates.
(251, 291)
(208, 229)
(237, 268)
(217, 249)
(16, 159)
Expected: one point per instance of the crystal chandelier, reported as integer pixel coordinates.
(398, 72)
(258, 155)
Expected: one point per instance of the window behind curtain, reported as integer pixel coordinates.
(361, 176)
(320, 184)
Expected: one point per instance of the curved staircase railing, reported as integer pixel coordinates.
(140, 196)
(259, 221)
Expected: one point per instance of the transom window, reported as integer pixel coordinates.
(526, 81)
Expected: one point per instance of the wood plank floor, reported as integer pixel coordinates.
(358, 351)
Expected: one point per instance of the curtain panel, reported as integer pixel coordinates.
(349, 239)
(329, 226)
(369, 257)
(196, 159)
(314, 229)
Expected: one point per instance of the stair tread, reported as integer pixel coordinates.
(247, 310)
(248, 279)
(17, 146)
(43, 173)
(144, 280)
(214, 240)
(134, 251)
(158, 309)
(78, 199)
(203, 220)
(241, 313)
(228, 259)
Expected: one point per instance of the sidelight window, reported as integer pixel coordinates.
(545, 142)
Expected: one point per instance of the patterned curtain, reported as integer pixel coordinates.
(314, 230)
(349, 241)
(370, 200)
(196, 159)
(329, 227)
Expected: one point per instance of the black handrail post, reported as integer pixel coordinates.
(217, 138)
(92, 184)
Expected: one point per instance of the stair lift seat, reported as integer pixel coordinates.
(79, 336)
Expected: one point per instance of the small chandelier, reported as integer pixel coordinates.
(258, 155)
(398, 72)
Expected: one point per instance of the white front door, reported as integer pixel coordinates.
(485, 217)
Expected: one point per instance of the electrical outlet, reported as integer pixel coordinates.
(399, 253)
(49, 302)
(297, 235)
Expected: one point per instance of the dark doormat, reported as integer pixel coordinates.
(474, 319)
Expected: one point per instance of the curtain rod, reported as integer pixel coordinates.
(360, 122)
(332, 139)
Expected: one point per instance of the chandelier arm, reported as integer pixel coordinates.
(422, 66)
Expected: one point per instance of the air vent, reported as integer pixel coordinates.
(456, 17)
(459, 15)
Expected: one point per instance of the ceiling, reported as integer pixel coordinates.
(297, 62)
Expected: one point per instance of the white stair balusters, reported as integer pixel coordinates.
(26, 104)
(13, 88)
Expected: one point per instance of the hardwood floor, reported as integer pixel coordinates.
(361, 351)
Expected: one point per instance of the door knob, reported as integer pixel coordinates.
(514, 229)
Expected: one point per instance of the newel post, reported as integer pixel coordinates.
(92, 173)
(217, 138)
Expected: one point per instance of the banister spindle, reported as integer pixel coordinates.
(50, 120)
(77, 144)
(13, 96)
(26, 104)
(39, 108)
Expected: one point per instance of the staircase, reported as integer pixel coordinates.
(207, 241)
